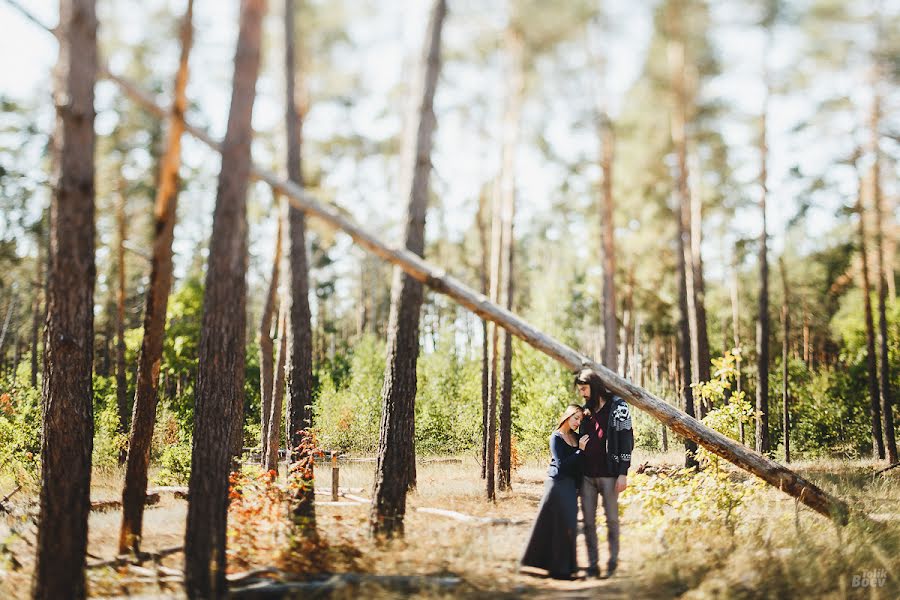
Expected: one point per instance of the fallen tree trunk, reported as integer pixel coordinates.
(104, 505)
(438, 279)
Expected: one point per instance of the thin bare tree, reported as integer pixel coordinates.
(146, 394)
(396, 444)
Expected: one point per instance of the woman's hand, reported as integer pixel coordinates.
(582, 443)
(621, 483)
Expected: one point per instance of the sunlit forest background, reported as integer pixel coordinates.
(721, 173)
(812, 68)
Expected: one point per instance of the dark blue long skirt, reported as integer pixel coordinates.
(551, 545)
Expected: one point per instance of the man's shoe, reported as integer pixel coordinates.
(593, 571)
(611, 568)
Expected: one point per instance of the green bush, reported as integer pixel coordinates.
(20, 431)
(174, 465)
(348, 417)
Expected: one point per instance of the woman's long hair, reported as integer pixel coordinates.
(598, 390)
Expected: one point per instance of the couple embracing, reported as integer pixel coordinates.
(591, 453)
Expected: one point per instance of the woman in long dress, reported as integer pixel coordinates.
(551, 545)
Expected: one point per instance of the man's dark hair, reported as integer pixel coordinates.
(591, 378)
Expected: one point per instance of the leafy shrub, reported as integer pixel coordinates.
(20, 432)
(175, 465)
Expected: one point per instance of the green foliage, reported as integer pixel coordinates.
(109, 442)
(730, 407)
(174, 464)
(541, 390)
(448, 400)
(675, 503)
(20, 431)
(347, 418)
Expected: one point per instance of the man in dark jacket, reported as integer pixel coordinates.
(607, 423)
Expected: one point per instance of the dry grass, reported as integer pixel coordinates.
(770, 547)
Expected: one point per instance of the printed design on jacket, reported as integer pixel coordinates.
(622, 417)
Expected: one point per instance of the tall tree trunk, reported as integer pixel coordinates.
(683, 216)
(222, 353)
(121, 380)
(273, 433)
(607, 228)
(692, 211)
(735, 322)
(871, 360)
(483, 207)
(68, 424)
(887, 394)
(762, 322)
(394, 471)
(511, 128)
(785, 371)
(300, 336)
(146, 394)
(494, 336)
(701, 350)
(266, 345)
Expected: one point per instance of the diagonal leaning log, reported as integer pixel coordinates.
(686, 426)
(437, 279)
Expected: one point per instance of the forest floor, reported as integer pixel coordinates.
(679, 539)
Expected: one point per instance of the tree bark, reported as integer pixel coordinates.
(871, 361)
(394, 471)
(222, 353)
(607, 229)
(300, 335)
(736, 326)
(146, 395)
(485, 342)
(785, 371)
(762, 322)
(266, 345)
(701, 350)
(68, 425)
(273, 433)
(511, 129)
(436, 278)
(121, 380)
(887, 400)
(682, 215)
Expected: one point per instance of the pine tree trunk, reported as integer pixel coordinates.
(683, 216)
(300, 335)
(146, 395)
(222, 352)
(68, 425)
(871, 360)
(273, 433)
(121, 380)
(511, 128)
(887, 400)
(736, 327)
(485, 342)
(762, 322)
(785, 371)
(394, 471)
(607, 228)
(266, 345)
(699, 293)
